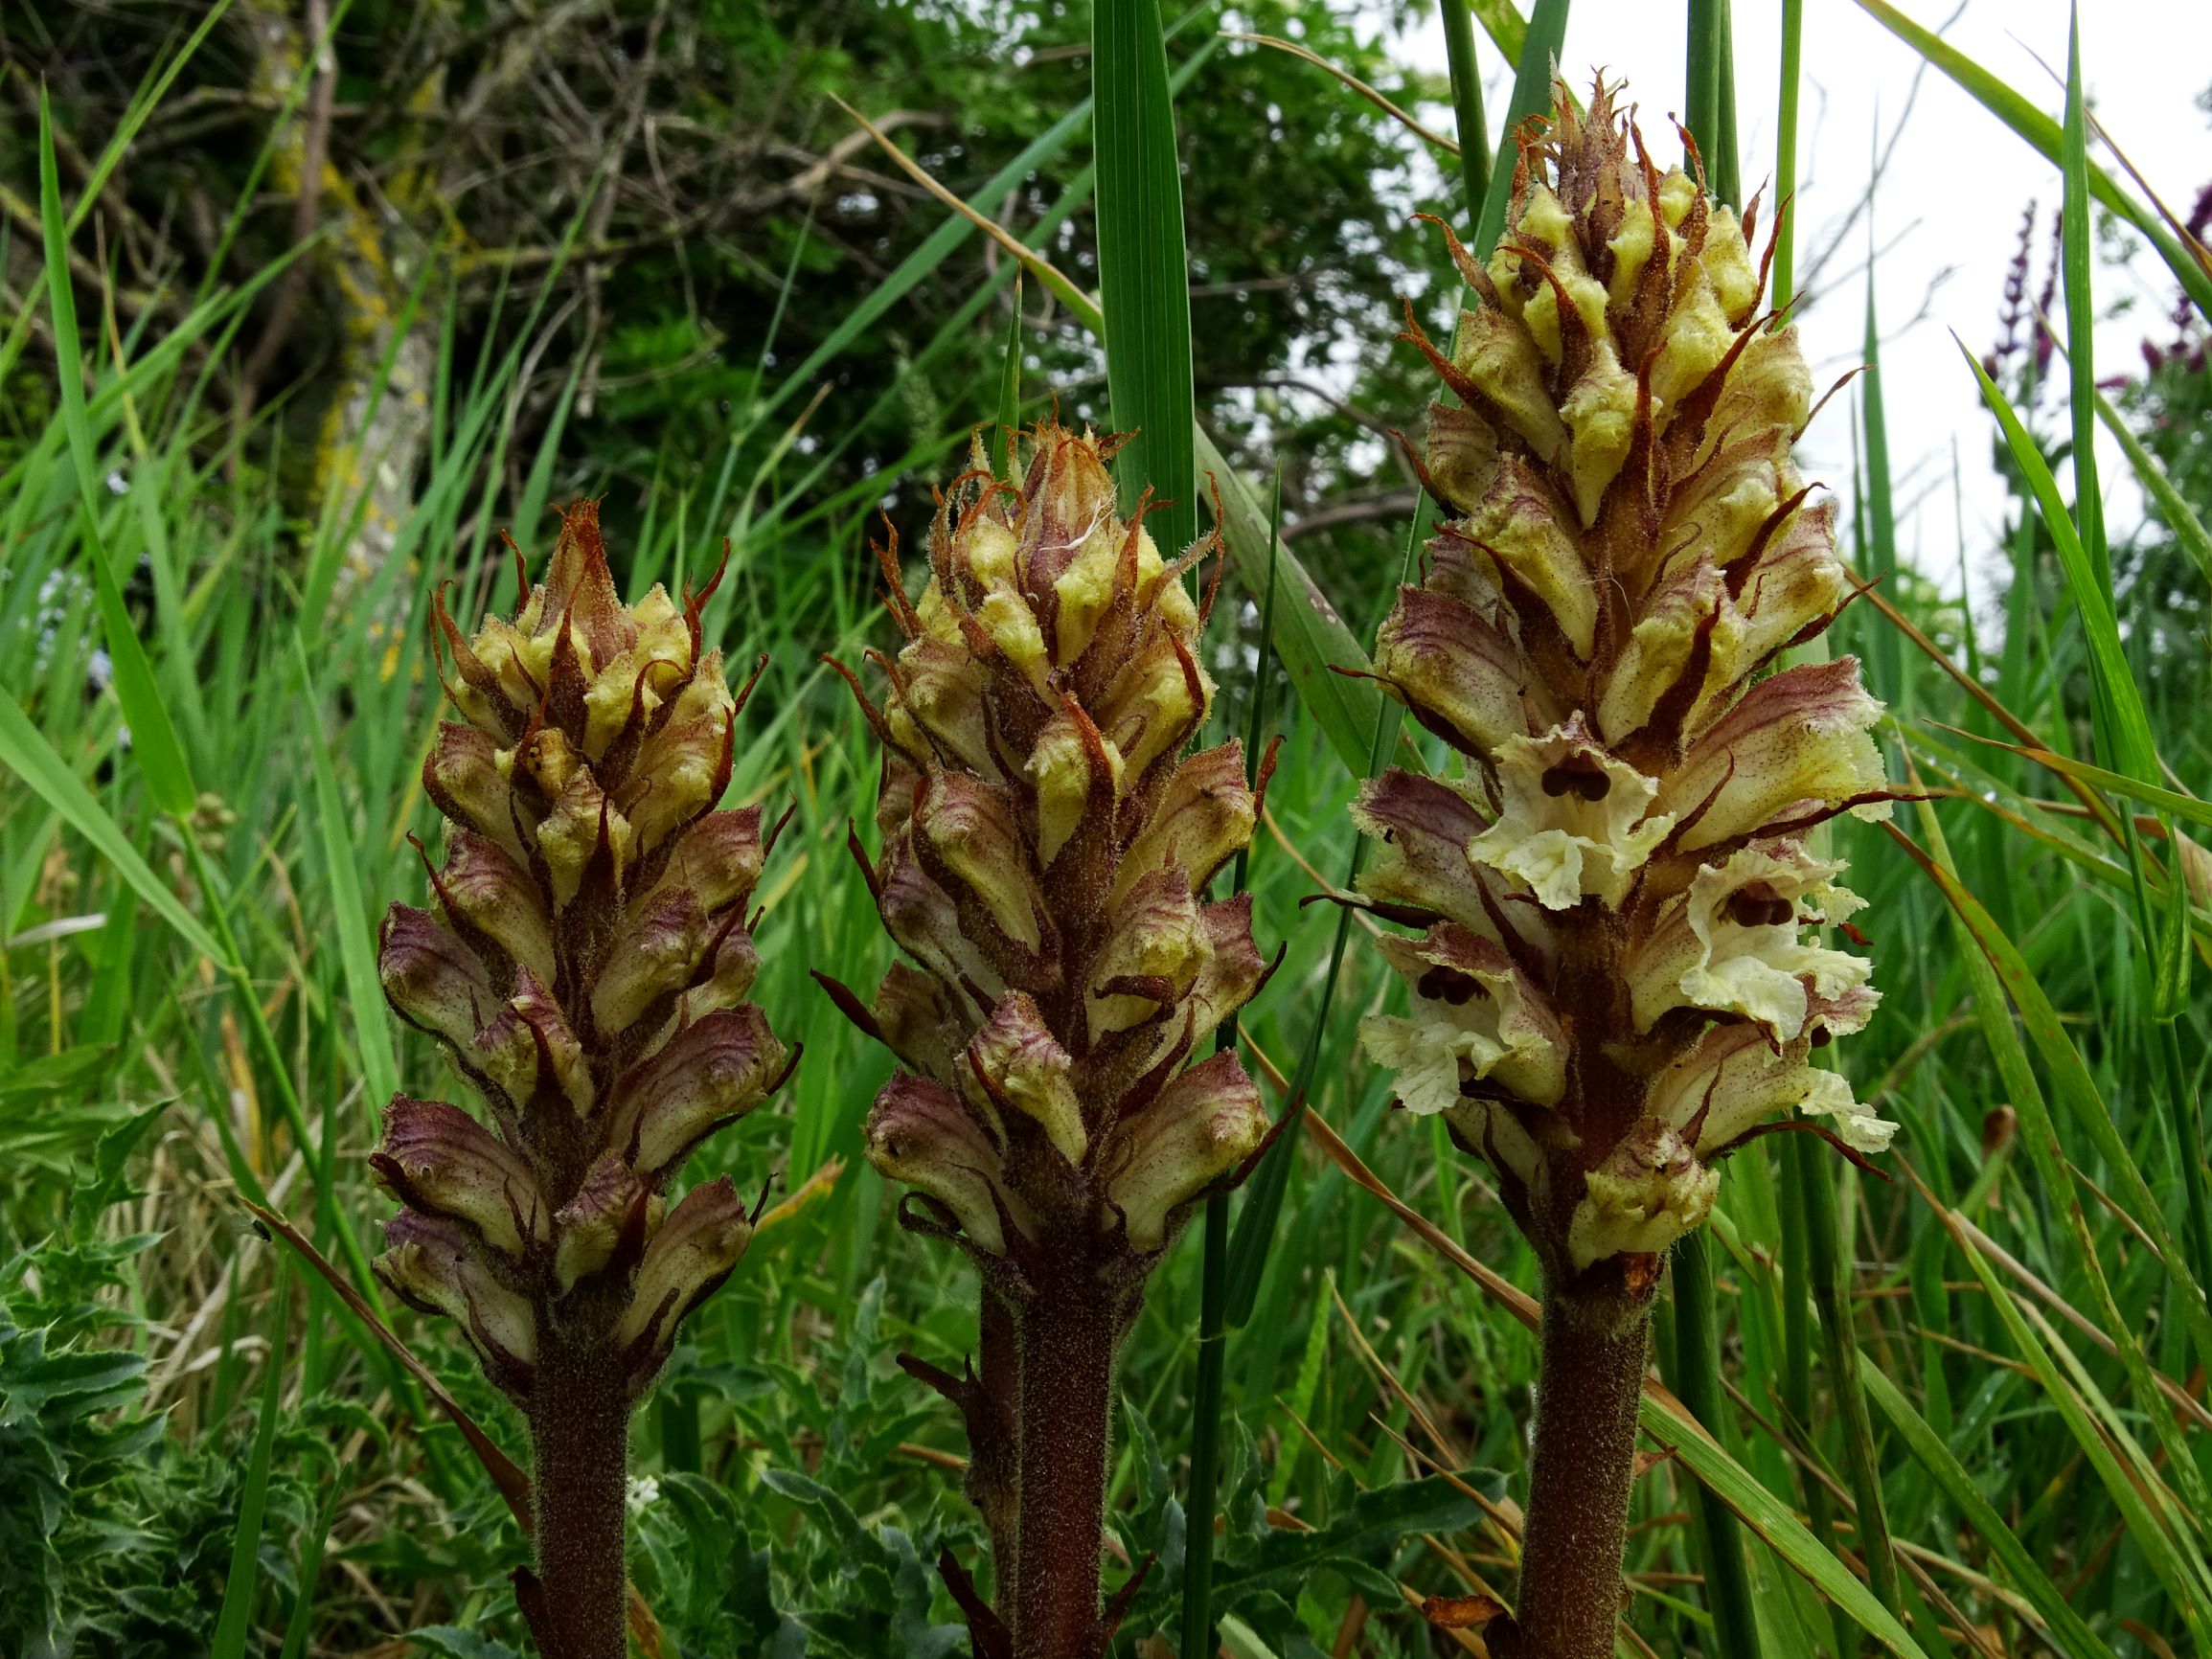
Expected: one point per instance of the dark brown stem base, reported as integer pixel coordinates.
(1589, 1379)
(1067, 1337)
(577, 1599)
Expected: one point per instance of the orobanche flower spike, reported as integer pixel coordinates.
(1615, 984)
(1046, 850)
(585, 966)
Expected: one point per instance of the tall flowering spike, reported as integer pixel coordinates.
(1046, 852)
(585, 963)
(1618, 982)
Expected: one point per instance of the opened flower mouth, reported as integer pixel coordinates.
(1624, 847)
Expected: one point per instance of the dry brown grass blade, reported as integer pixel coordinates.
(1963, 1226)
(1428, 134)
(2004, 715)
(1509, 1296)
(505, 1473)
(1065, 291)
(506, 1476)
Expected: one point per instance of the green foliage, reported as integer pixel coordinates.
(186, 1007)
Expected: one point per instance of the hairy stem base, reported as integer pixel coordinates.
(580, 1445)
(1590, 1379)
(1067, 1338)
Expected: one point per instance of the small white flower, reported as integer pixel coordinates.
(1473, 1016)
(1575, 818)
(640, 1495)
(1731, 945)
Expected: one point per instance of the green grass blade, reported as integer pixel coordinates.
(2156, 1544)
(239, 1587)
(1010, 390)
(152, 737)
(1532, 95)
(1214, 1262)
(2081, 316)
(1697, 1374)
(1772, 1520)
(2134, 750)
(2016, 111)
(2065, 1067)
(2065, 1629)
(356, 946)
(1473, 130)
(932, 253)
(1786, 156)
(2180, 517)
(1144, 283)
(1309, 636)
(1707, 47)
(25, 752)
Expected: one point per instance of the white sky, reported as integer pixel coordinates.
(1948, 213)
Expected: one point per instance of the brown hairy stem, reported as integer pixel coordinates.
(1589, 1378)
(580, 1441)
(1067, 1337)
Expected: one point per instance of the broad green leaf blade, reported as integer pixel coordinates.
(26, 753)
(1144, 283)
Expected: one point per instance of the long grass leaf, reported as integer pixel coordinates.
(2093, 599)
(25, 751)
(2065, 1629)
(153, 738)
(1144, 283)
(2067, 1069)
(356, 947)
(243, 1582)
(2014, 108)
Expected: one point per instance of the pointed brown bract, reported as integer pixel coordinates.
(585, 966)
(1046, 848)
(1619, 982)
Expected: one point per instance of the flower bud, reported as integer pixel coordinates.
(438, 1159)
(920, 1133)
(589, 976)
(435, 1265)
(1202, 1126)
(696, 1248)
(1046, 847)
(434, 979)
